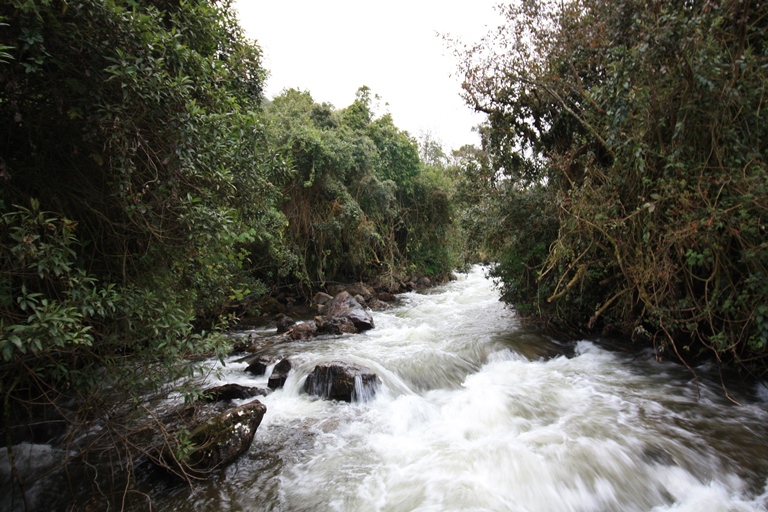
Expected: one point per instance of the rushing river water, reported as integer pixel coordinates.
(476, 413)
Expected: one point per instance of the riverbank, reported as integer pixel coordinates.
(300, 302)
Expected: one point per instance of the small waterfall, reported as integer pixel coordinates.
(365, 388)
(338, 380)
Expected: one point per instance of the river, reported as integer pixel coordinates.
(477, 413)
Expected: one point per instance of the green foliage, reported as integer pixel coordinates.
(139, 195)
(144, 189)
(45, 301)
(430, 232)
(643, 126)
(398, 153)
(359, 203)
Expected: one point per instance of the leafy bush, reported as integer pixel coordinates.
(136, 174)
(643, 124)
(359, 202)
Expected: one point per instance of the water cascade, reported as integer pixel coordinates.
(472, 412)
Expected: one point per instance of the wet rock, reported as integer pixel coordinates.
(280, 374)
(215, 439)
(257, 347)
(344, 305)
(361, 300)
(342, 314)
(247, 342)
(338, 380)
(284, 324)
(334, 325)
(362, 289)
(229, 392)
(303, 331)
(423, 282)
(240, 345)
(259, 365)
(377, 305)
(321, 298)
(386, 297)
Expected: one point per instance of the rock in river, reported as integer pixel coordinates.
(215, 439)
(334, 325)
(345, 306)
(227, 392)
(338, 380)
(279, 374)
(259, 365)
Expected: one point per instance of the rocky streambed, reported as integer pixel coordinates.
(212, 433)
(454, 406)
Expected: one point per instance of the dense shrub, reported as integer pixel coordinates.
(359, 202)
(134, 170)
(638, 131)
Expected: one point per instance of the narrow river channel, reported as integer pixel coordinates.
(476, 413)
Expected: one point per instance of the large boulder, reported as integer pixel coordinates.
(344, 305)
(338, 380)
(424, 282)
(214, 440)
(378, 305)
(321, 298)
(386, 297)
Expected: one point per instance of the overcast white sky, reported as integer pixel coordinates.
(332, 47)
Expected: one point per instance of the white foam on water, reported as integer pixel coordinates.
(518, 435)
(464, 421)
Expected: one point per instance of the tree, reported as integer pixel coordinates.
(135, 172)
(637, 130)
(431, 150)
(360, 203)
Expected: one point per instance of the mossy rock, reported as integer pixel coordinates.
(215, 441)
